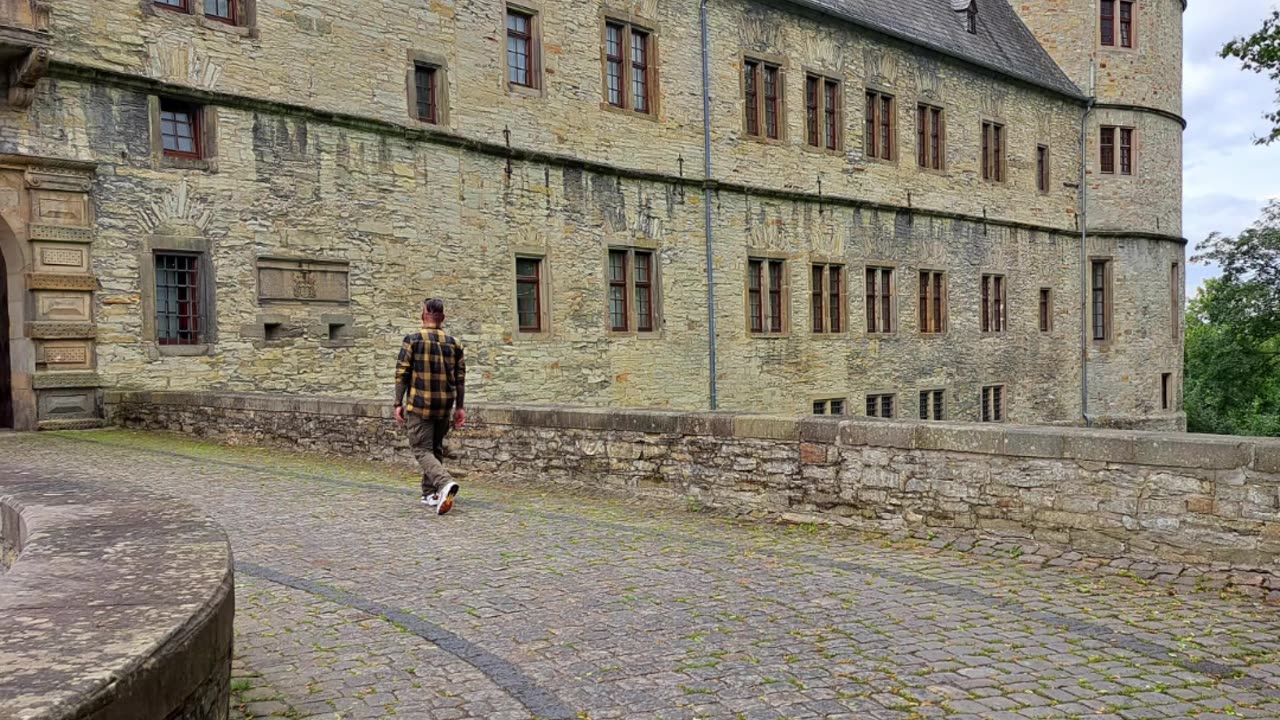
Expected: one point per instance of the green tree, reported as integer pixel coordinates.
(1260, 52)
(1233, 334)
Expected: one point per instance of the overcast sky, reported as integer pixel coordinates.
(1227, 178)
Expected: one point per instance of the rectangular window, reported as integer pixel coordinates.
(929, 136)
(173, 5)
(822, 112)
(932, 310)
(1100, 299)
(829, 407)
(1126, 151)
(425, 87)
(1108, 22)
(762, 88)
(1166, 391)
(1046, 309)
(1126, 23)
(880, 406)
(529, 309)
(618, 314)
(178, 306)
(993, 403)
(994, 310)
(993, 153)
(520, 49)
(1042, 168)
(628, 70)
(180, 129)
(932, 405)
(221, 10)
(1175, 299)
(766, 295)
(631, 290)
(827, 298)
(878, 137)
(880, 292)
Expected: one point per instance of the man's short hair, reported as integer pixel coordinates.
(433, 306)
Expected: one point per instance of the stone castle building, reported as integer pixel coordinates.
(254, 195)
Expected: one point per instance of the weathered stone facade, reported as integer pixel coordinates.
(324, 211)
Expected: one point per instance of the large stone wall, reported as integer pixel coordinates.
(309, 166)
(118, 605)
(1165, 498)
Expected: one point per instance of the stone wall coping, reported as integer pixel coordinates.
(118, 605)
(1166, 449)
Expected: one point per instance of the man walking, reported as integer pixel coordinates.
(432, 374)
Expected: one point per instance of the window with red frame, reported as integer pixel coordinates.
(180, 129)
(178, 307)
(628, 70)
(221, 10)
(1116, 22)
(180, 5)
(762, 87)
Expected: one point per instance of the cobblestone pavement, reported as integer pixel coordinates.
(352, 602)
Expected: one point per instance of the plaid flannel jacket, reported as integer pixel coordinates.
(432, 370)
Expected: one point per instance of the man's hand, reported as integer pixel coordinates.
(459, 418)
(399, 414)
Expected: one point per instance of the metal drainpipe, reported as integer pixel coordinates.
(706, 202)
(1084, 265)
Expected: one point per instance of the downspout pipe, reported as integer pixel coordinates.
(1084, 263)
(707, 186)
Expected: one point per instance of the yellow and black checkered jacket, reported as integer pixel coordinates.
(432, 372)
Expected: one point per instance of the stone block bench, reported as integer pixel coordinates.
(112, 606)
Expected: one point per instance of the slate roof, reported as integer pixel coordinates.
(1002, 44)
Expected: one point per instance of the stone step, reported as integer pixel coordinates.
(86, 424)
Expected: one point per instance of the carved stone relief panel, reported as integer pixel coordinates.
(52, 306)
(64, 355)
(283, 279)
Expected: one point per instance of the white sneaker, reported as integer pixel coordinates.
(431, 500)
(447, 494)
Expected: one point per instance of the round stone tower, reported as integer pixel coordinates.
(1127, 55)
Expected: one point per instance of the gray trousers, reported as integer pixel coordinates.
(426, 439)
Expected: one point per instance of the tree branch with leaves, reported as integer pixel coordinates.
(1260, 53)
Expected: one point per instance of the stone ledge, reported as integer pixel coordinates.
(120, 605)
(1177, 450)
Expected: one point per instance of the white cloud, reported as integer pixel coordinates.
(1227, 179)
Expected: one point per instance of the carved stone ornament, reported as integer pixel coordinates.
(23, 76)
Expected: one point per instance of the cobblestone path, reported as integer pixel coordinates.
(352, 602)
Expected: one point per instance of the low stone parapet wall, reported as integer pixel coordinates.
(1165, 497)
(117, 606)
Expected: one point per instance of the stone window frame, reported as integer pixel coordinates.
(1116, 146)
(927, 110)
(655, 287)
(1116, 13)
(929, 398)
(999, 168)
(764, 60)
(945, 315)
(878, 399)
(827, 265)
(766, 258)
(1045, 309)
(537, 86)
(991, 403)
(988, 313)
(630, 21)
(825, 403)
(823, 77)
(200, 247)
(416, 59)
(1044, 168)
(1108, 300)
(895, 150)
(207, 130)
(246, 12)
(545, 317)
(893, 317)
